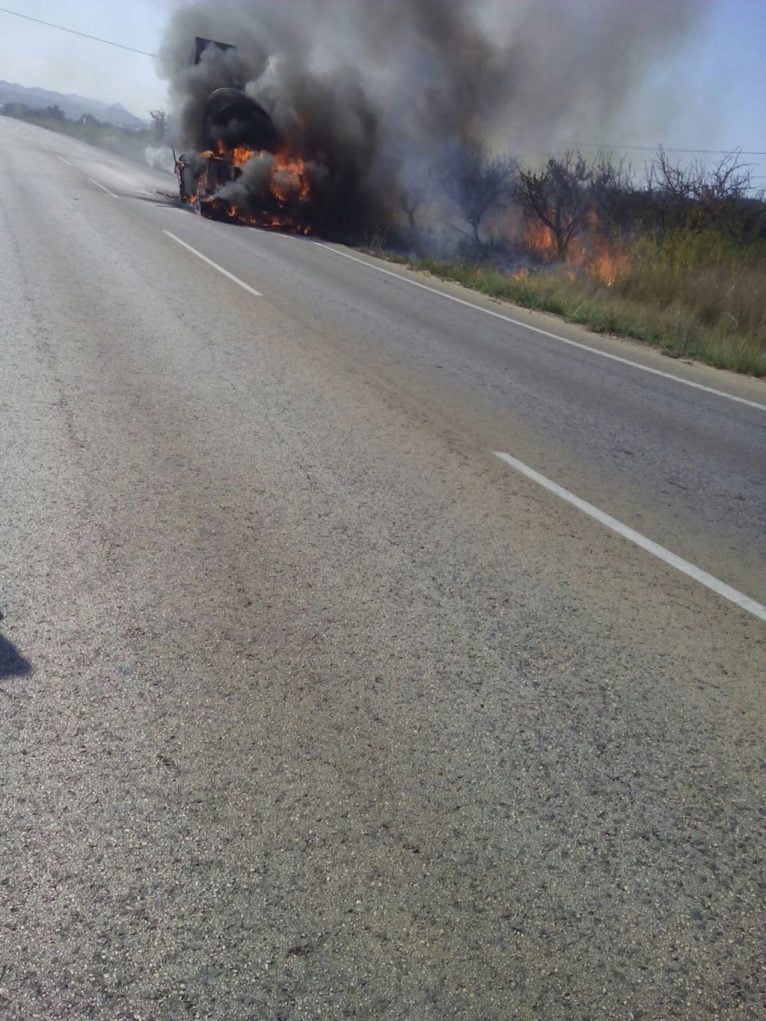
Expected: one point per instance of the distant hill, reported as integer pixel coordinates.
(73, 106)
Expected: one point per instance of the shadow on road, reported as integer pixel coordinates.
(160, 198)
(12, 663)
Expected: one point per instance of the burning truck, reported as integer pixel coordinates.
(244, 171)
(234, 127)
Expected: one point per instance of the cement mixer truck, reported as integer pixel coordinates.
(231, 122)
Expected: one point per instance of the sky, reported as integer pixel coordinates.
(713, 92)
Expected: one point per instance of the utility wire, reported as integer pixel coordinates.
(84, 35)
(579, 145)
(670, 148)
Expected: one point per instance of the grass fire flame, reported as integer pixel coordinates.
(590, 251)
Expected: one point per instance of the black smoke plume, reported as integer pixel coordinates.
(378, 96)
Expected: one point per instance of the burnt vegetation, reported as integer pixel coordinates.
(674, 254)
(570, 197)
(479, 185)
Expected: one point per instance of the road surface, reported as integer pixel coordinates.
(312, 705)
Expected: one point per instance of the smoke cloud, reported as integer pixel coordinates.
(378, 95)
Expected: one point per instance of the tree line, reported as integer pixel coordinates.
(570, 195)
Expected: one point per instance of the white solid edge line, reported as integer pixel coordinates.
(215, 265)
(103, 188)
(544, 333)
(698, 575)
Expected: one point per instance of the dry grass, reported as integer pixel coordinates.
(693, 295)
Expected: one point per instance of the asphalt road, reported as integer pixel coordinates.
(311, 706)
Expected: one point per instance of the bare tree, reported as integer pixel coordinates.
(410, 202)
(558, 196)
(159, 125)
(696, 195)
(668, 180)
(416, 186)
(479, 184)
(727, 179)
(611, 187)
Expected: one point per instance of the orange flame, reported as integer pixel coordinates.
(610, 265)
(240, 154)
(289, 179)
(289, 184)
(592, 252)
(539, 239)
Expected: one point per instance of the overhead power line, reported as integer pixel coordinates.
(73, 31)
(670, 148)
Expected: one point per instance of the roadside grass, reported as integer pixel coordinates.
(692, 295)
